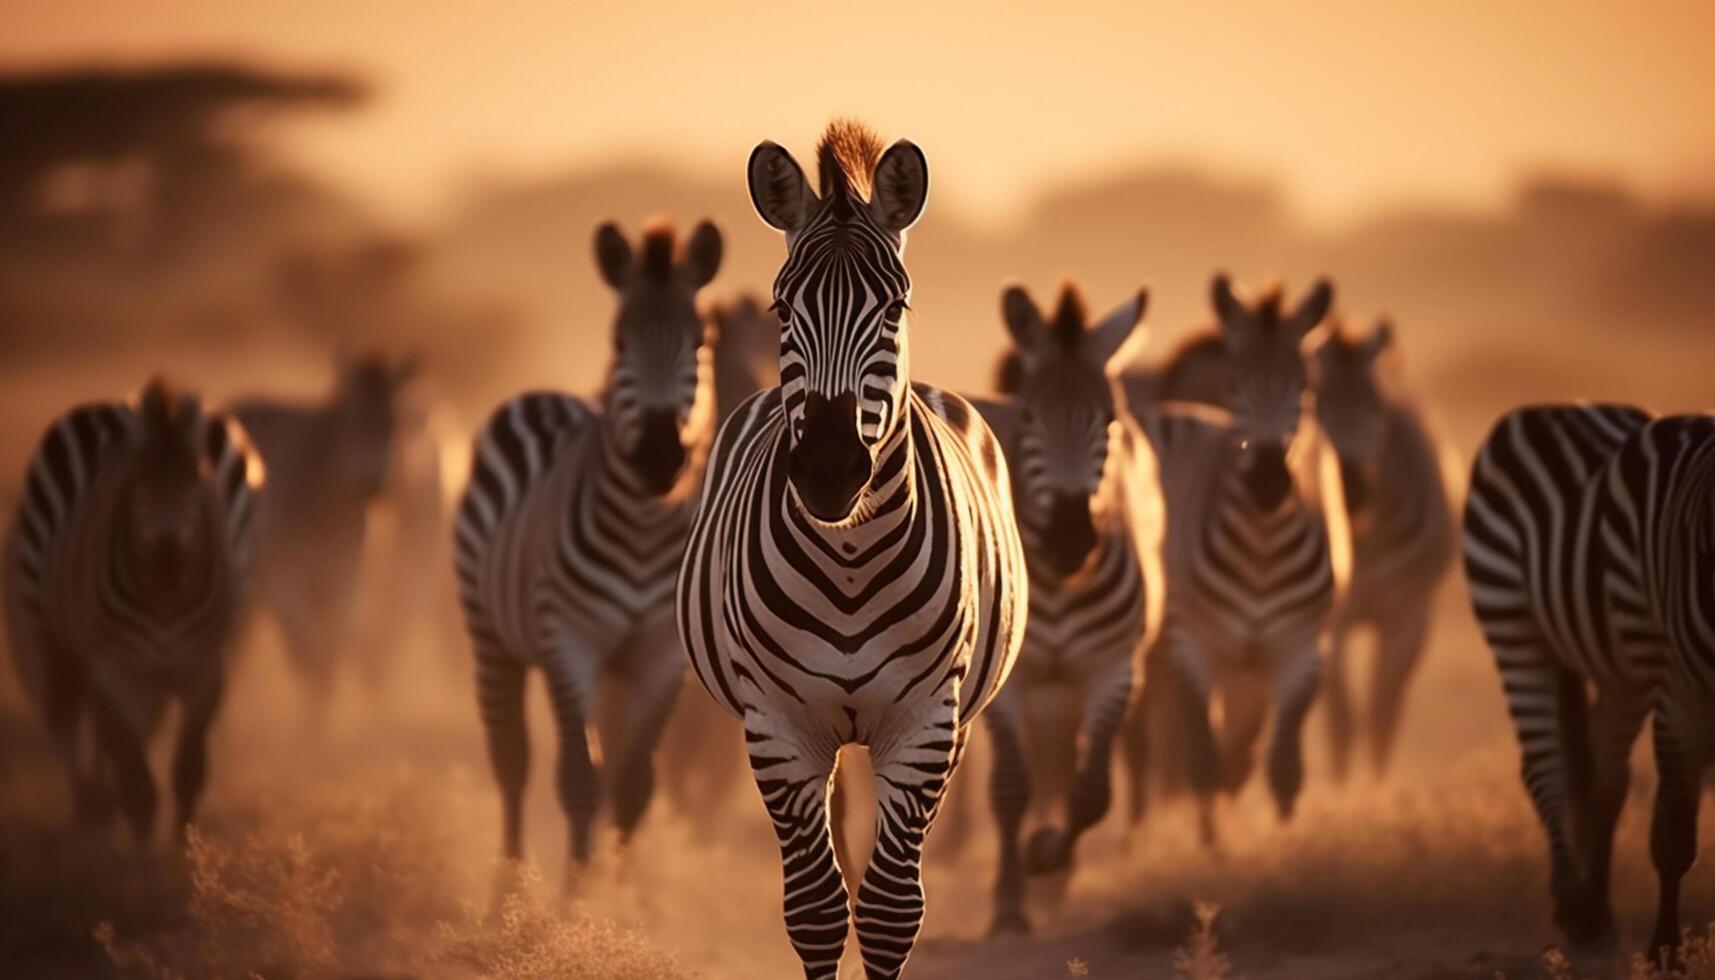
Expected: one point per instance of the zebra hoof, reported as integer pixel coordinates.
(1588, 926)
(1009, 922)
(1048, 852)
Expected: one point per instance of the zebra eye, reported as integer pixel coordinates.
(895, 310)
(781, 311)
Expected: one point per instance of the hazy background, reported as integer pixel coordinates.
(231, 192)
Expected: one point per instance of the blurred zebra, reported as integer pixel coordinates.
(1255, 553)
(1402, 524)
(702, 751)
(1588, 535)
(326, 463)
(124, 573)
(1088, 502)
(854, 575)
(569, 534)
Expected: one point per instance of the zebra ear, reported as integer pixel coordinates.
(1231, 315)
(1314, 309)
(1022, 317)
(901, 187)
(703, 254)
(1113, 341)
(1380, 340)
(777, 187)
(612, 255)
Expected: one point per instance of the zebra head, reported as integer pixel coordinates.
(1063, 378)
(165, 517)
(841, 297)
(1269, 380)
(1350, 404)
(365, 409)
(658, 393)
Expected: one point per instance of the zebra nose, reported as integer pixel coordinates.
(1267, 479)
(829, 465)
(1070, 534)
(659, 454)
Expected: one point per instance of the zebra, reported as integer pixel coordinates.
(1403, 527)
(569, 533)
(125, 569)
(854, 574)
(1587, 533)
(1255, 555)
(1089, 510)
(327, 463)
(701, 753)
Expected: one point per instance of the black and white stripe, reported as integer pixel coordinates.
(569, 535)
(1255, 553)
(1588, 536)
(124, 573)
(854, 574)
(1089, 508)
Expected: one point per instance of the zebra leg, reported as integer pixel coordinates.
(912, 769)
(1682, 750)
(1134, 751)
(1614, 724)
(1105, 699)
(571, 678)
(1337, 696)
(794, 777)
(656, 682)
(500, 696)
(1399, 649)
(1009, 795)
(1246, 696)
(190, 758)
(124, 749)
(1295, 689)
(65, 707)
(1192, 683)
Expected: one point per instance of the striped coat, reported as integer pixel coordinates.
(124, 574)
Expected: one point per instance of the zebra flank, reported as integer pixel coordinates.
(125, 570)
(569, 534)
(1587, 546)
(854, 574)
(1256, 553)
(1088, 502)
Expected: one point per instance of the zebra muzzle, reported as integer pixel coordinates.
(659, 455)
(1070, 534)
(1267, 479)
(829, 465)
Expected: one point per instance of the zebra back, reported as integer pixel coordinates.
(511, 454)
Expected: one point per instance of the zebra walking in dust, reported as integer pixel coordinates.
(854, 574)
(124, 573)
(569, 535)
(1402, 522)
(1588, 536)
(1255, 552)
(326, 462)
(1089, 509)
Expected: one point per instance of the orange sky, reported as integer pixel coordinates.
(1351, 104)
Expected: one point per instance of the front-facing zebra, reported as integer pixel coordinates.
(1255, 553)
(1590, 548)
(854, 574)
(569, 536)
(124, 573)
(1090, 514)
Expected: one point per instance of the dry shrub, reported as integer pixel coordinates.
(1201, 957)
(527, 938)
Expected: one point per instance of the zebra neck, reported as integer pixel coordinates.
(620, 481)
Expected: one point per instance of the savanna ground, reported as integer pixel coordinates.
(368, 850)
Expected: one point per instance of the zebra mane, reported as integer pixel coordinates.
(1009, 373)
(1267, 308)
(659, 246)
(846, 159)
(169, 418)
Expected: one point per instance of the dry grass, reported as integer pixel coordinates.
(1201, 957)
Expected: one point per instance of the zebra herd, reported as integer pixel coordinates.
(853, 557)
